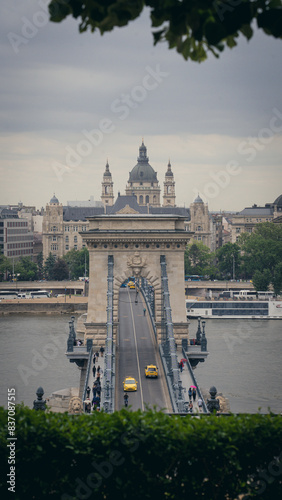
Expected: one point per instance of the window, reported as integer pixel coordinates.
(75, 239)
(141, 199)
(54, 238)
(199, 238)
(67, 228)
(147, 198)
(67, 239)
(67, 247)
(238, 229)
(199, 228)
(54, 228)
(75, 247)
(75, 228)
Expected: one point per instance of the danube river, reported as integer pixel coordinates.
(244, 361)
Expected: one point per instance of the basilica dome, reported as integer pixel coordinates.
(54, 200)
(143, 172)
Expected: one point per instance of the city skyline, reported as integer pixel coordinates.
(69, 102)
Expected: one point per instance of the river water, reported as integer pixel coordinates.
(244, 361)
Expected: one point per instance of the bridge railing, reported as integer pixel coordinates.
(87, 375)
(108, 389)
(148, 305)
(192, 375)
(168, 348)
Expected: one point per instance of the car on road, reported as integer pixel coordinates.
(151, 371)
(130, 384)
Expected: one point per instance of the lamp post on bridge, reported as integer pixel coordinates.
(204, 342)
(199, 333)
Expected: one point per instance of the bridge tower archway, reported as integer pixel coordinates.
(136, 242)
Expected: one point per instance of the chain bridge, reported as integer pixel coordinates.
(145, 324)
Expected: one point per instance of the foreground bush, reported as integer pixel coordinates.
(149, 455)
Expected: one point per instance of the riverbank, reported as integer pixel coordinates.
(52, 305)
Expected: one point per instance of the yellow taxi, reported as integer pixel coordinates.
(131, 284)
(130, 384)
(151, 371)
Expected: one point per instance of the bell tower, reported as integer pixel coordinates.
(169, 188)
(107, 187)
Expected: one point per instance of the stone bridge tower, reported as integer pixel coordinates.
(136, 242)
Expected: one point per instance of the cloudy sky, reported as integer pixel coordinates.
(70, 101)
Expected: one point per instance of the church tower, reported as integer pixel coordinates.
(143, 182)
(107, 187)
(200, 221)
(52, 229)
(169, 188)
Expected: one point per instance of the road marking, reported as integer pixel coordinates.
(137, 357)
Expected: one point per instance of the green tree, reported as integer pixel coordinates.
(197, 259)
(60, 270)
(262, 280)
(193, 28)
(5, 266)
(26, 269)
(39, 261)
(277, 279)
(229, 258)
(78, 262)
(262, 249)
(49, 266)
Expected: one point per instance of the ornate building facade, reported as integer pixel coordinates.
(246, 220)
(62, 225)
(199, 222)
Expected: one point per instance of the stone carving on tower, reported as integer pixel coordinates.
(107, 187)
(136, 263)
(169, 188)
(143, 181)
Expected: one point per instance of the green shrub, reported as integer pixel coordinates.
(143, 455)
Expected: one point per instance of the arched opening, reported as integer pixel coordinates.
(141, 199)
(147, 198)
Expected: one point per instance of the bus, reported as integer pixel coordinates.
(39, 293)
(193, 277)
(8, 294)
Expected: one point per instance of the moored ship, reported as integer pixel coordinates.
(234, 309)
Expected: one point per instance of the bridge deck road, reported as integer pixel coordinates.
(136, 349)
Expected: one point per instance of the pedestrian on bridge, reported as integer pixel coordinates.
(190, 393)
(94, 390)
(144, 311)
(102, 351)
(94, 370)
(194, 394)
(88, 391)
